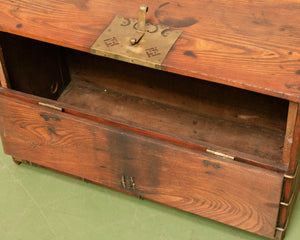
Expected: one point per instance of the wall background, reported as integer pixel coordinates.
(39, 204)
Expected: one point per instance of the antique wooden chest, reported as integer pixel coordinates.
(193, 104)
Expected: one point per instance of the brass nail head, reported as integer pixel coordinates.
(133, 41)
(144, 7)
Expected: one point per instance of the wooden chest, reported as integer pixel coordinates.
(207, 122)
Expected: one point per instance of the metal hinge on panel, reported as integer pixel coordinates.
(290, 177)
(136, 41)
(50, 106)
(220, 154)
(286, 204)
(287, 176)
(280, 231)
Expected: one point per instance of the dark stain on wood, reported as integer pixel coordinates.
(174, 15)
(19, 25)
(178, 23)
(286, 27)
(48, 117)
(81, 4)
(209, 173)
(98, 149)
(282, 29)
(195, 122)
(216, 165)
(272, 205)
(293, 86)
(190, 54)
(164, 4)
(206, 163)
(261, 20)
(209, 163)
(120, 153)
(298, 72)
(52, 130)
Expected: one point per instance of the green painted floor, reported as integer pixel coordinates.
(36, 203)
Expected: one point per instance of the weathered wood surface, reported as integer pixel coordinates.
(253, 45)
(234, 193)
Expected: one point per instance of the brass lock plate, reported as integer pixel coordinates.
(150, 50)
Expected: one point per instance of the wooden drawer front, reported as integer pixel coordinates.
(234, 193)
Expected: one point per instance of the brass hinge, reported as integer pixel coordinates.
(287, 176)
(50, 106)
(220, 154)
(290, 177)
(286, 204)
(280, 231)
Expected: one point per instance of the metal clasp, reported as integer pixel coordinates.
(135, 41)
(141, 25)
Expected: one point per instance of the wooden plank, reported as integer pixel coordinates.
(289, 133)
(294, 157)
(238, 43)
(234, 193)
(289, 184)
(3, 72)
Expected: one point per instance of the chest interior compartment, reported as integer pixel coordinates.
(204, 116)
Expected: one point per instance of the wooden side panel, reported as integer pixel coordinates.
(291, 186)
(289, 135)
(248, 44)
(234, 193)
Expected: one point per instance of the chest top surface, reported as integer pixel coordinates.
(253, 45)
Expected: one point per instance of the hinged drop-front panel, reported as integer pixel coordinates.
(218, 188)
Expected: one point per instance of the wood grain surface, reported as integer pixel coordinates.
(234, 193)
(253, 45)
